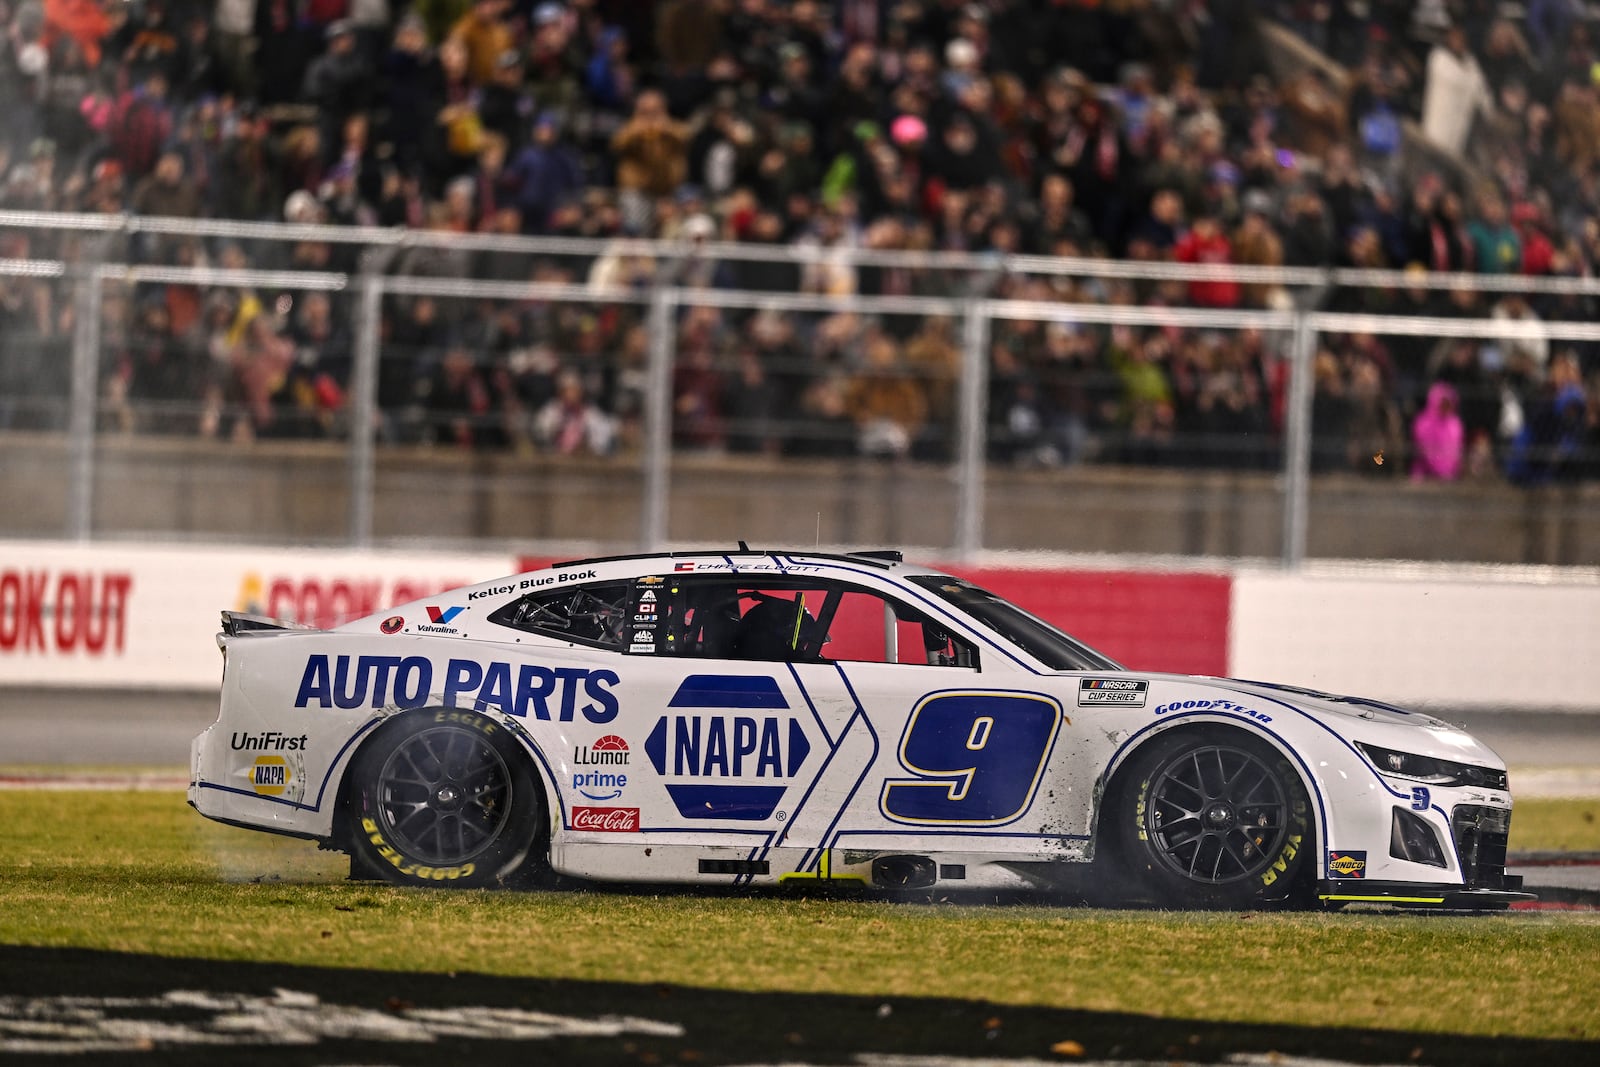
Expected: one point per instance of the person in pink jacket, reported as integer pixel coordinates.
(1438, 436)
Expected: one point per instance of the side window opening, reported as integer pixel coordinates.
(777, 619)
(594, 614)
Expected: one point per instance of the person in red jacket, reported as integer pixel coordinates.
(1206, 243)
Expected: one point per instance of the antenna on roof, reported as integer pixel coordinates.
(818, 542)
(743, 547)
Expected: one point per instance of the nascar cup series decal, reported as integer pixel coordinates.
(1126, 692)
(733, 750)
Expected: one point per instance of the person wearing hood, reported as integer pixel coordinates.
(1438, 436)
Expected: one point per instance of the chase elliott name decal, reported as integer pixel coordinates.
(1128, 692)
(523, 689)
(720, 764)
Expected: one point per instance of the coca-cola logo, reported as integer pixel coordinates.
(606, 820)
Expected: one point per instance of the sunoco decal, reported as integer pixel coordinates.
(1347, 864)
(1126, 692)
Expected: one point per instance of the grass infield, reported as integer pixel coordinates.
(140, 872)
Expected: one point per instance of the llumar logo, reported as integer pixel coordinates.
(1347, 864)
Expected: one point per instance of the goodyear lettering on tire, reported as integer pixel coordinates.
(419, 871)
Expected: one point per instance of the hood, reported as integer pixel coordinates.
(1378, 723)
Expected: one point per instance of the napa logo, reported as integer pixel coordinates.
(270, 776)
(729, 749)
(1347, 864)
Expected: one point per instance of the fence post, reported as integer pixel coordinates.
(658, 417)
(972, 416)
(1297, 441)
(368, 316)
(86, 298)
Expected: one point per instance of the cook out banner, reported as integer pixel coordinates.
(145, 616)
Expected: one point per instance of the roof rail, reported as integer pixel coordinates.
(883, 557)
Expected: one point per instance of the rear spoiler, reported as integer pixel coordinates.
(235, 623)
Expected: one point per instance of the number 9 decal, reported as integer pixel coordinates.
(977, 758)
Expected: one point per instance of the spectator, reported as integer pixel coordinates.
(569, 423)
(886, 404)
(651, 153)
(1437, 437)
(1547, 447)
(482, 33)
(1496, 245)
(459, 402)
(1205, 243)
(1455, 93)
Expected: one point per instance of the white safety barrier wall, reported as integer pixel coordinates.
(1458, 636)
(118, 615)
(145, 616)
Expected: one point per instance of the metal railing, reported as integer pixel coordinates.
(662, 300)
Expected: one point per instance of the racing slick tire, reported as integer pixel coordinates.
(443, 797)
(1211, 818)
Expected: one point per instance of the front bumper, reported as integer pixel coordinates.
(1339, 892)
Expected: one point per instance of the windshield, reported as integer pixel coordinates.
(1028, 632)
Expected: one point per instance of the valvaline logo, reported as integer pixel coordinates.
(66, 612)
(606, 820)
(438, 617)
(721, 764)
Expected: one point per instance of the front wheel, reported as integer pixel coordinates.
(1211, 819)
(443, 797)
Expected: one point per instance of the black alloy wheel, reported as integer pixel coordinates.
(442, 797)
(1212, 819)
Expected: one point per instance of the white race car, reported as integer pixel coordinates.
(752, 718)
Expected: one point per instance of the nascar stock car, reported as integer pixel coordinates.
(748, 718)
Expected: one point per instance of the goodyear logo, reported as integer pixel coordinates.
(1347, 864)
(270, 776)
(731, 752)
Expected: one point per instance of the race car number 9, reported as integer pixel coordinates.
(977, 758)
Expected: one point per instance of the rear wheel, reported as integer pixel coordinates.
(443, 797)
(1212, 819)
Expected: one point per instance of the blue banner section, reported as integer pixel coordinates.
(744, 803)
(728, 691)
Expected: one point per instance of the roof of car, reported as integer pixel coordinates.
(885, 558)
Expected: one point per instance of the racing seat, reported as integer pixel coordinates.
(775, 629)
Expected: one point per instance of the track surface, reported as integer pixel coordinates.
(140, 728)
(152, 1010)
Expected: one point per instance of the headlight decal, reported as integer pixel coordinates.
(1431, 769)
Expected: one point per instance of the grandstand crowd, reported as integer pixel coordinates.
(1428, 137)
